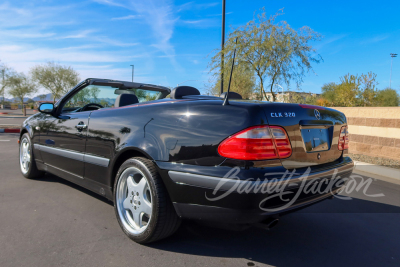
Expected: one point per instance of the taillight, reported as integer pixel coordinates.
(343, 138)
(257, 143)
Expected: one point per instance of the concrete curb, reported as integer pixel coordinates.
(13, 117)
(10, 130)
(380, 172)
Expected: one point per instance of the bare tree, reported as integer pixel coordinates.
(5, 73)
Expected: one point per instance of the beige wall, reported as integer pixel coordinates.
(374, 131)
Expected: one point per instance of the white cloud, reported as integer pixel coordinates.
(326, 42)
(193, 21)
(110, 2)
(15, 55)
(22, 34)
(375, 39)
(126, 17)
(192, 5)
(201, 23)
(159, 16)
(7, 7)
(79, 35)
(113, 42)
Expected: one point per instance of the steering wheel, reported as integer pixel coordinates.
(89, 105)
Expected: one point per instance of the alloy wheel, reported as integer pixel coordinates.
(134, 203)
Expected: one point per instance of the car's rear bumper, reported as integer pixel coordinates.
(237, 201)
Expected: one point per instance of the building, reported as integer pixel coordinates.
(289, 96)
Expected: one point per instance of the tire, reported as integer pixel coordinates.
(27, 161)
(141, 202)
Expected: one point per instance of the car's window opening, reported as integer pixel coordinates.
(90, 97)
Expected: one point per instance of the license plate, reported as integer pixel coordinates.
(316, 139)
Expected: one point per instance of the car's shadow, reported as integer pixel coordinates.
(48, 177)
(305, 238)
(330, 233)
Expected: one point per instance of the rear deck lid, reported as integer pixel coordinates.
(313, 132)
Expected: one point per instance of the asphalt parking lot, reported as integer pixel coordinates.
(4, 121)
(51, 222)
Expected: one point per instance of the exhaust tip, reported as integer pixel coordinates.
(268, 224)
(273, 223)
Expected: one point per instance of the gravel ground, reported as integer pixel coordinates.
(377, 161)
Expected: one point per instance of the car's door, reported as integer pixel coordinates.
(63, 142)
(63, 139)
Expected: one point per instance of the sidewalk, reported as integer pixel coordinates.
(387, 174)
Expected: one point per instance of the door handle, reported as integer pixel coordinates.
(81, 126)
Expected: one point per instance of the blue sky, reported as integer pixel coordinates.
(170, 42)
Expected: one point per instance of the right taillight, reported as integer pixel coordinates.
(257, 143)
(343, 138)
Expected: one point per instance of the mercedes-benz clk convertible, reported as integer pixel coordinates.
(163, 156)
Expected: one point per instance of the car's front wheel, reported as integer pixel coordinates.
(141, 202)
(26, 159)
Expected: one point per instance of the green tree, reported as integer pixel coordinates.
(243, 80)
(55, 78)
(347, 91)
(21, 86)
(104, 103)
(329, 93)
(273, 50)
(352, 91)
(85, 96)
(387, 98)
(367, 91)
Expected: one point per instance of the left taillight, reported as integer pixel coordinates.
(343, 138)
(257, 143)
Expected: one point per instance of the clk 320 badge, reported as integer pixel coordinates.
(283, 115)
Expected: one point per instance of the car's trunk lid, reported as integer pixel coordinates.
(313, 132)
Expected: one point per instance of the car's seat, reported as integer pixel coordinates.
(125, 100)
(232, 95)
(181, 91)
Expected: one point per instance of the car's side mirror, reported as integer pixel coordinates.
(46, 108)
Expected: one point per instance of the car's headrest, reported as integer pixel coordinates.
(181, 91)
(125, 100)
(232, 95)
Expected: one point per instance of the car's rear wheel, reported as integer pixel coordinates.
(26, 160)
(142, 205)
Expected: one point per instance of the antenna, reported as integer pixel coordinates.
(226, 101)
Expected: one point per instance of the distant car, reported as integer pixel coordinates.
(161, 159)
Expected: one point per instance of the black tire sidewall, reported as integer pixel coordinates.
(147, 234)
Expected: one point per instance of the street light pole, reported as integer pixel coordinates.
(283, 99)
(222, 46)
(133, 68)
(391, 66)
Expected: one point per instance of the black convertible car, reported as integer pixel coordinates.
(162, 155)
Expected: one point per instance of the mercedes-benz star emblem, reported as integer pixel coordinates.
(317, 114)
